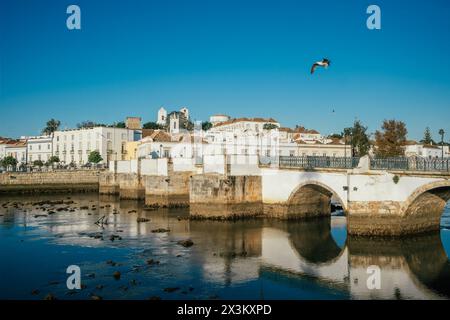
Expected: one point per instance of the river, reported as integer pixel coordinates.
(40, 236)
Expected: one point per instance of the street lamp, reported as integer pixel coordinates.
(442, 133)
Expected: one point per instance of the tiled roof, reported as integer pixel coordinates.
(236, 120)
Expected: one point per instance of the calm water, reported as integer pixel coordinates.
(229, 260)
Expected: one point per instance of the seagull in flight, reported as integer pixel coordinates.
(324, 63)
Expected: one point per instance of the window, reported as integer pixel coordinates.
(48, 146)
(124, 136)
(31, 147)
(39, 147)
(324, 154)
(57, 138)
(108, 135)
(291, 153)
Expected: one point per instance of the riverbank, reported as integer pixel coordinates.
(49, 182)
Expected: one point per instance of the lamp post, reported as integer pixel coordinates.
(442, 133)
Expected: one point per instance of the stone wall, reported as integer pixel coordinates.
(108, 183)
(131, 186)
(167, 191)
(47, 182)
(219, 196)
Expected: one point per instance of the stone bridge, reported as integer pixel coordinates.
(376, 202)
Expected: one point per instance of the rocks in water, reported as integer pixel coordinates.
(170, 290)
(160, 230)
(111, 263)
(115, 237)
(49, 297)
(141, 220)
(84, 208)
(40, 215)
(132, 211)
(96, 297)
(117, 275)
(152, 262)
(186, 243)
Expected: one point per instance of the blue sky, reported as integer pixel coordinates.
(239, 57)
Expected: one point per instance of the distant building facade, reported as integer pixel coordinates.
(39, 148)
(74, 146)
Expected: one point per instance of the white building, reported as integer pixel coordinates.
(39, 148)
(218, 118)
(17, 149)
(162, 117)
(74, 146)
(426, 151)
(240, 125)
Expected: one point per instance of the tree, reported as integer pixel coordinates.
(9, 161)
(51, 126)
(206, 125)
(95, 157)
(38, 163)
(336, 136)
(427, 138)
(86, 124)
(269, 126)
(391, 140)
(152, 125)
(120, 124)
(360, 139)
(53, 159)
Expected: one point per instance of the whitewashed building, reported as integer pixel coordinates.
(74, 146)
(39, 148)
(426, 151)
(18, 150)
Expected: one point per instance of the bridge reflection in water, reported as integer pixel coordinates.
(295, 252)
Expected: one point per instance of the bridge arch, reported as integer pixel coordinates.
(431, 197)
(424, 207)
(312, 198)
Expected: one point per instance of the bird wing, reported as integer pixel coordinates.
(313, 68)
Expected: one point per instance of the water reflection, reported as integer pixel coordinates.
(236, 258)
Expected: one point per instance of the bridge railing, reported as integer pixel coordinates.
(410, 164)
(309, 162)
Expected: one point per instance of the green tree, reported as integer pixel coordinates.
(391, 140)
(427, 137)
(269, 126)
(360, 139)
(53, 159)
(152, 125)
(38, 163)
(336, 136)
(206, 125)
(120, 124)
(51, 126)
(95, 157)
(9, 161)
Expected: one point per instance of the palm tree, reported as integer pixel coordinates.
(51, 126)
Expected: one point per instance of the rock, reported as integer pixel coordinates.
(40, 215)
(49, 297)
(84, 208)
(114, 237)
(160, 230)
(96, 298)
(170, 290)
(111, 263)
(139, 220)
(132, 211)
(152, 262)
(186, 243)
(116, 275)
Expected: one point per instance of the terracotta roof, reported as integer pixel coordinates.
(285, 129)
(236, 120)
(304, 130)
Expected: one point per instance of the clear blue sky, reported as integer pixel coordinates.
(239, 57)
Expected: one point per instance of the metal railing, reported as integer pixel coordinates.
(318, 162)
(410, 164)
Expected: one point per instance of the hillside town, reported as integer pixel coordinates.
(174, 135)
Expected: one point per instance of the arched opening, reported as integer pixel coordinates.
(424, 208)
(312, 199)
